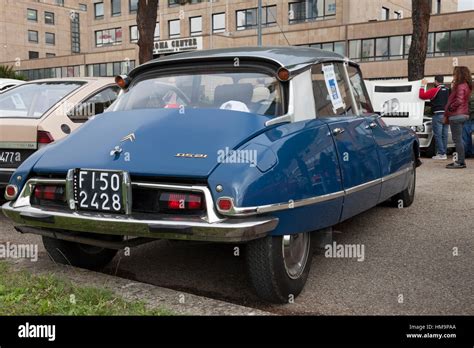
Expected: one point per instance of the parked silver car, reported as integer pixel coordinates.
(427, 141)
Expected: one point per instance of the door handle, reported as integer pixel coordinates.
(372, 125)
(337, 131)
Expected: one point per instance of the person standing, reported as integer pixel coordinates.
(468, 129)
(457, 111)
(438, 97)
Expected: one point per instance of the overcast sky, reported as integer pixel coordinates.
(466, 5)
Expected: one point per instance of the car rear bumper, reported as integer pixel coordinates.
(226, 230)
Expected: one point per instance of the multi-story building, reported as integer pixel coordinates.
(44, 38)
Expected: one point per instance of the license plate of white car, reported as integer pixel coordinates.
(99, 190)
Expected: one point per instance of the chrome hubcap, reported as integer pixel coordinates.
(295, 253)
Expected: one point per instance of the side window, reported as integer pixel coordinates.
(360, 91)
(94, 105)
(331, 93)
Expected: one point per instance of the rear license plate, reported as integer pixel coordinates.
(98, 190)
(10, 158)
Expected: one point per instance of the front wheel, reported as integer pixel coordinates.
(80, 255)
(278, 266)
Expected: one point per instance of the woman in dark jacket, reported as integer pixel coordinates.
(457, 111)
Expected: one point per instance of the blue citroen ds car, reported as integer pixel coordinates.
(262, 146)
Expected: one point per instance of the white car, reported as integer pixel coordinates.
(8, 83)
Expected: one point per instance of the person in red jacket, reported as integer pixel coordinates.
(438, 97)
(457, 111)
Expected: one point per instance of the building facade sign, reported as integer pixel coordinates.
(178, 45)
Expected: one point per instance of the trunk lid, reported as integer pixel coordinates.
(150, 141)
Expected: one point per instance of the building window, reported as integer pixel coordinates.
(368, 49)
(49, 18)
(133, 33)
(174, 28)
(99, 10)
(116, 7)
(396, 47)
(338, 47)
(157, 31)
(32, 36)
(385, 14)
(310, 10)
(248, 18)
(75, 33)
(133, 6)
(33, 55)
(441, 44)
(59, 3)
(381, 48)
(83, 7)
(398, 14)
(470, 44)
(50, 38)
(355, 50)
(50, 55)
(458, 42)
(32, 15)
(195, 26)
(437, 7)
(218, 22)
(108, 37)
(110, 69)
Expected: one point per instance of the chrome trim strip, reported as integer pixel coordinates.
(396, 174)
(248, 211)
(8, 170)
(363, 186)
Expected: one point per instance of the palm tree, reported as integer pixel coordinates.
(7, 72)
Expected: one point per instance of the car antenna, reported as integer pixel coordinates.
(279, 27)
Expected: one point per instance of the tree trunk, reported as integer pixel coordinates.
(421, 13)
(146, 22)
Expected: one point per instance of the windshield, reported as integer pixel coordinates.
(252, 92)
(32, 100)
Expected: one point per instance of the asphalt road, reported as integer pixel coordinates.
(410, 266)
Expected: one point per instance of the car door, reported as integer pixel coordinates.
(356, 148)
(390, 145)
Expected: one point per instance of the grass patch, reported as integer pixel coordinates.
(22, 293)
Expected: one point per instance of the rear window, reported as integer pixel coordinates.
(32, 100)
(238, 90)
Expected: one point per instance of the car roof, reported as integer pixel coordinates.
(9, 81)
(80, 79)
(290, 57)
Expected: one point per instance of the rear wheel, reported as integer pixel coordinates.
(405, 198)
(278, 266)
(80, 255)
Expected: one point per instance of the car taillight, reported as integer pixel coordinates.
(49, 193)
(44, 138)
(225, 204)
(174, 201)
(11, 191)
